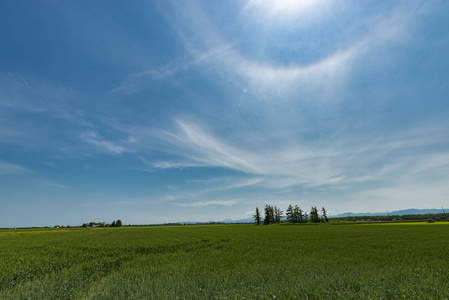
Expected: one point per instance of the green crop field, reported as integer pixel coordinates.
(227, 262)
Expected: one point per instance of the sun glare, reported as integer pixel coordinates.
(283, 7)
(291, 6)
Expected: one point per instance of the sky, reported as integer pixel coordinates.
(172, 111)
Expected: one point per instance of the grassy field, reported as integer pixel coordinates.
(227, 262)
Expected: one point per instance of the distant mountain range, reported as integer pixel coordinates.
(410, 211)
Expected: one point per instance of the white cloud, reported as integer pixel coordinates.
(172, 165)
(162, 165)
(227, 183)
(240, 184)
(340, 166)
(7, 168)
(138, 81)
(92, 138)
(206, 203)
(278, 168)
(199, 146)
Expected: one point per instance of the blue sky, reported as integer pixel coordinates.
(166, 111)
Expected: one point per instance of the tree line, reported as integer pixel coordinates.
(293, 214)
(114, 223)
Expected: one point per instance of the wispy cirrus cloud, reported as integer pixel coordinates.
(206, 203)
(212, 52)
(281, 167)
(229, 183)
(161, 165)
(7, 168)
(197, 145)
(139, 81)
(40, 114)
(108, 146)
(343, 164)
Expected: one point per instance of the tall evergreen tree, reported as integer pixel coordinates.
(314, 217)
(298, 213)
(290, 214)
(323, 213)
(269, 215)
(256, 216)
(277, 214)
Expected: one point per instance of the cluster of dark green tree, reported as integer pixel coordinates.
(114, 223)
(293, 214)
(273, 214)
(117, 223)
